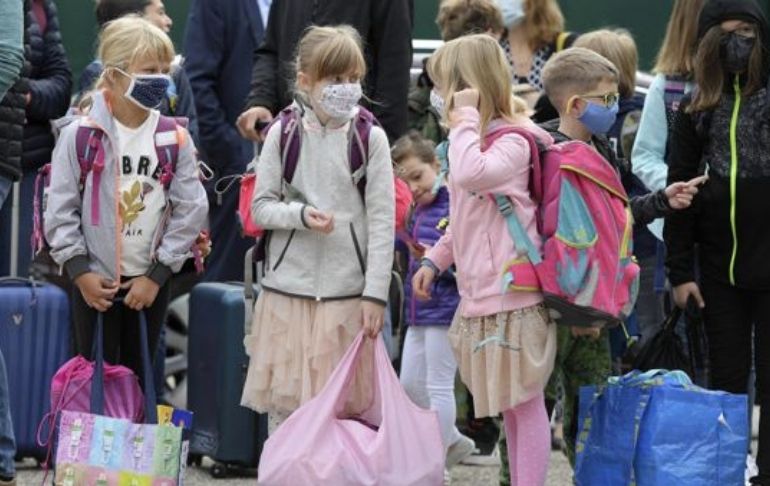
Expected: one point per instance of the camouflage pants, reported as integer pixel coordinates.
(580, 361)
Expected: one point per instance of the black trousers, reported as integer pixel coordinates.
(732, 316)
(122, 342)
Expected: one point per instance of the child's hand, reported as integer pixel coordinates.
(142, 293)
(422, 282)
(591, 333)
(467, 97)
(680, 194)
(372, 317)
(685, 291)
(97, 291)
(319, 221)
(204, 243)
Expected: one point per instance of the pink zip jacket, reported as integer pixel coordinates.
(477, 241)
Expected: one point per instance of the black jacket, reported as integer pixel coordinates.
(728, 218)
(12, 119)
(644, 208)
(50, 86)
(386, 29)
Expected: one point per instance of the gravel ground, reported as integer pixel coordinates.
(558, 475)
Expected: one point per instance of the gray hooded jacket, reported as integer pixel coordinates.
(81, 246)
(356, 258)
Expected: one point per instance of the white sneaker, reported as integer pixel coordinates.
(484, 460)
(459, 450)
(751, 469)
(447, 477)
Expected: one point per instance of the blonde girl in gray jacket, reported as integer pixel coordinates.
(330, 250)
(124, 227)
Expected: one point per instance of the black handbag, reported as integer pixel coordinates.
(665, 350)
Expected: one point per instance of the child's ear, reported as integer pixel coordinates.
(303, 81)
(574, 106)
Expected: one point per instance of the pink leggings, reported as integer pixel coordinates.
(529, 442)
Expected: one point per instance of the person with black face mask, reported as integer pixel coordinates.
(724, 129)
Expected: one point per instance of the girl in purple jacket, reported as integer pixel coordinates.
(428, 365)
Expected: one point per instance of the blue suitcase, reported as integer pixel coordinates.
(222, 429)
(35, 341)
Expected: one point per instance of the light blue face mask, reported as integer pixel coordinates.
(512, 10)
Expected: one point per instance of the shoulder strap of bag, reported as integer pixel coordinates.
(505, 205)
(358, 149)
(168, 139)
(97, 381)
(88, 142)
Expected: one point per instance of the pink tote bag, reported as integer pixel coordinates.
(393, 443)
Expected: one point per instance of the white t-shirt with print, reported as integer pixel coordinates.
(142, 199)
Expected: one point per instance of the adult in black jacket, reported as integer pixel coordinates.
(724, 127)
(26, 112)
(386, 29)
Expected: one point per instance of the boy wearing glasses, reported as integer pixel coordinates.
(583, 87)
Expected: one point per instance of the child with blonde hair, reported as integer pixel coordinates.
(503, 338)
(330, 246)
(123, 226)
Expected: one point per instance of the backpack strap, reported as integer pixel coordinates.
(90, 153)
(505, 205)
(291, 141)
(168, 138)
(358, 147)
(358, 144)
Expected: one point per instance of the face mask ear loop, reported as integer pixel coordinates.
(569, 103)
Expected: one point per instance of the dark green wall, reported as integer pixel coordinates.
(646, 19)
(79, 29)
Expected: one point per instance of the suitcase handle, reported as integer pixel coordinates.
(97, 382)
(27, 282)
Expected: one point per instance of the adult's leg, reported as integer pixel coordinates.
(761, 320)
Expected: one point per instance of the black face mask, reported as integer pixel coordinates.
(736, 52)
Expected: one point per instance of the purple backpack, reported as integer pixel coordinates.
(90, 153)
(291, 142)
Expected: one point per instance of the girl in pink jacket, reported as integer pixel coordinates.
(503, 339)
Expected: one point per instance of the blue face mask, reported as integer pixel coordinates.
(598, 118)
(512, 10)
(147, 91)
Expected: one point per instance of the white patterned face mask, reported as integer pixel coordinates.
(437, 102)
(340, 100)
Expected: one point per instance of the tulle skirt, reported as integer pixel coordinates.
(504, 359)
(295, 345)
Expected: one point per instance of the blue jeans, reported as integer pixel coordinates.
(7, 442)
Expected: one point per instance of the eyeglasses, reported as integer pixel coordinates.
(608, 99)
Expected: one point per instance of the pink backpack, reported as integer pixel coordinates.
(586, 269)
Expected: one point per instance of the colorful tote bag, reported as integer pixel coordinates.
(97, 450)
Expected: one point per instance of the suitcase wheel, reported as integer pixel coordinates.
(219, 470)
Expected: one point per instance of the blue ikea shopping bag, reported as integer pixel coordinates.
(657, 429)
